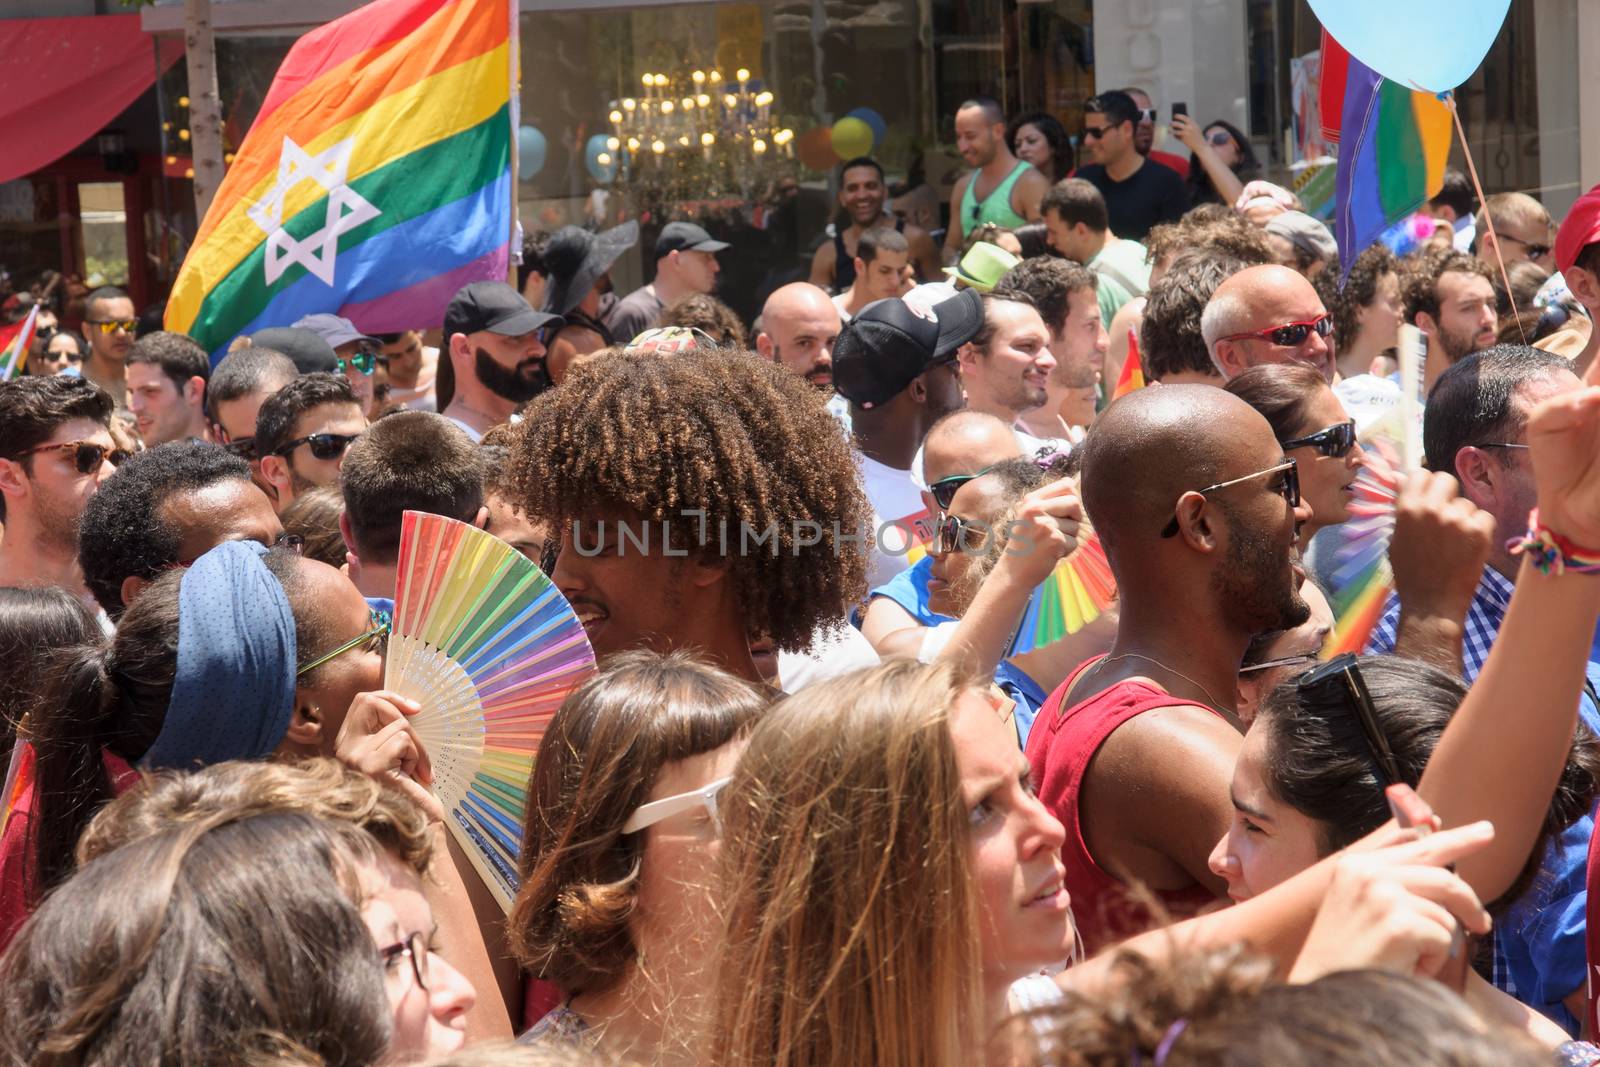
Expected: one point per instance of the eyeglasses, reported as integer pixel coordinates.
(243, 447)
(705, 797)
(1095, 132)
(380, 627)
(44, 333)
(944, 490)
(414, 946)
(1220, 138)
(86, 455)
(1332, 441)
(1501, 444)
(1147, 114)
(1535, 251)
(323, 445)
(1341, 677)
(111, 326)
(364, 361)
(292, 542)
(1304, 659)
(950, 535)
(1290, 334)
(1289, 489)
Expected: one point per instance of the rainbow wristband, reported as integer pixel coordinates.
(1550, 552)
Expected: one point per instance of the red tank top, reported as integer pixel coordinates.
(1060, 747)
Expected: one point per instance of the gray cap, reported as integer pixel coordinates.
(335, 329)
(1305, 233)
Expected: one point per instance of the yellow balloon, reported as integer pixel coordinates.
(851, 137)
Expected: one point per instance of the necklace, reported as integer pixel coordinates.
(488, 419)
(1219, 705)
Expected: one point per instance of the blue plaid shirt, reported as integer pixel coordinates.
(1539, 941)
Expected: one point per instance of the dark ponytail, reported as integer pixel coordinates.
(106, 696)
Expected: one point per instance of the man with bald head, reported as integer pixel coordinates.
(1197, 508)
(897, 620)
(799, 325)
(1267, 314)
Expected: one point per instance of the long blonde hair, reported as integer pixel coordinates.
(851, 917)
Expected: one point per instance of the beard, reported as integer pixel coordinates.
(517, 384)
(1247, 584)
(1025, 397)
(1458, 346)
(58, 520)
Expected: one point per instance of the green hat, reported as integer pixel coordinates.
(982, 267)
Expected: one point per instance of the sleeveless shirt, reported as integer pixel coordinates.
(996, 207)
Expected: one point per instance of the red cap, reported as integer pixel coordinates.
(1581, 227)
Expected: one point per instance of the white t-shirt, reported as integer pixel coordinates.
(829, 656)
(842, 301)
(420, 396)
(477, 438)
(895, 498)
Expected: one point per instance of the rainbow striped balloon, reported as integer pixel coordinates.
(1075, 594)
(489, 647)
(375, 182)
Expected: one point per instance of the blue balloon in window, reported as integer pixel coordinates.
(530, 152)
(880, 128)
(600, 160)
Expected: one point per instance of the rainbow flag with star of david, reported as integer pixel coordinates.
(375, 182)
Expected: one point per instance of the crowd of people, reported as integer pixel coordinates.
(821, 803)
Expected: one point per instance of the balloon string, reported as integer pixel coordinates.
(1449, 100)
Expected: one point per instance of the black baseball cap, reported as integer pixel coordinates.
(686, 237)
(890, 342)
(306, 348)
(495, 307)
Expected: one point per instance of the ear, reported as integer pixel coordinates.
(346, 532)
(704, 575)
(481, 520)
(132, 586)
(1194, 527)
(275, 472)
(1584, 285)
(764, 345)
(966, 357)
(13, 479)
(1426, 323)
(1228, 360)
(305, 725)
(460, 354)
(194, 392)
(1479, 478)
(861, 267)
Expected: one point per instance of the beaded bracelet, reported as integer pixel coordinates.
(1550, 552)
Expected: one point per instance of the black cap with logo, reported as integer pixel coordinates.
(885, 347)
(495, 307)
(686, 237)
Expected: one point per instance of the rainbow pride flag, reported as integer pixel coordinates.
(1131, 376)
(1393, 144)
(375, 182)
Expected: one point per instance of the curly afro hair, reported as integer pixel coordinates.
(121, 534)
(713, 429)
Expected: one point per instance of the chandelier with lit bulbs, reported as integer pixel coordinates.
(698, 118)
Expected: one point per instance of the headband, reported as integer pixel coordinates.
(233, 691)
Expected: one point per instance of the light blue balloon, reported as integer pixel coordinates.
(1422, 44)
(600, 172)
(530, 152)
(880, 128)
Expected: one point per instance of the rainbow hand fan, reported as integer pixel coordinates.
(1077, 591)
(490, 648)
(1361, 576)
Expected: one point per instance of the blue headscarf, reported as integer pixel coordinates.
(233, 694)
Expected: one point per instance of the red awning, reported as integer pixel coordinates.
(63, 79)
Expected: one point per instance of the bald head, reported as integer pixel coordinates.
(965, 442)
(1152, 446)
(1264, 298)
(799, 325)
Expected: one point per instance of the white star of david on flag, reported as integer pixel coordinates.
(346, 209)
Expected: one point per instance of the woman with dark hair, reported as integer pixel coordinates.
(1221, 160)
(616, 906)
(247, 936)
(284, 644)
(1315, 431)
(54, 353)
(1311, 776)
(1040, 139)
(35, 625)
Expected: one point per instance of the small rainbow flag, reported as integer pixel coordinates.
(1132, 374)
(17, 338)
(375, 182)
(1393, 144)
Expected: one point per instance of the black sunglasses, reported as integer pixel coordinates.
(323, 445)
(243, 447)
(86, 455)
(1289, 489)
(1332, 441)
(1339, 681)
(944, 490)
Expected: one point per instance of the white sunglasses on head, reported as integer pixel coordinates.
(706, 796)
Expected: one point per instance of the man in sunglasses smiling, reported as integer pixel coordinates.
(55, 450)
(303, 431)
(1268, 314)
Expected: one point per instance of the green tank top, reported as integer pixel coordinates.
(996, 207)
